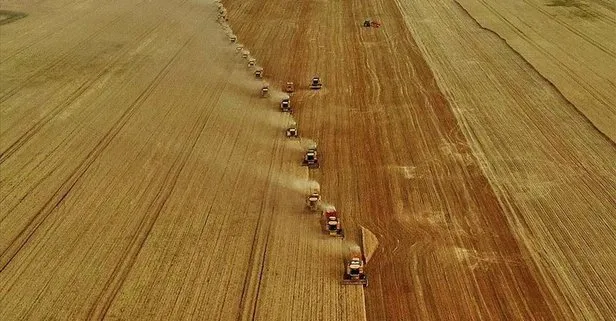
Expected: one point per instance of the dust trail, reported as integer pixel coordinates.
(279, 95)
(289, 121)
(301, 145)
(307, 143)
(253, 86)
(302, 186)
(325, 206)
(354, 248)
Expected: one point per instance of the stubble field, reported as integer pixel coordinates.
(142, 176)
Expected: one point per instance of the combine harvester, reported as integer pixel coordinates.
(259, 73)
(332, 224)
(354, 270)
(310, 158)
(291, 132)
(285, 105)
(316, 83)
(354, 265)
(313, 201)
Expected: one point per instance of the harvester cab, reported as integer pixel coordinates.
(259, 72)
(265, 90)
(251, 62)
(233, 38)
(367, 23)
(290, 87)
(316, 83)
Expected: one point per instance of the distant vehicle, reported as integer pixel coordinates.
(310, 159)
(313, 201)
(285, 105)
(316, 83)
(354, 271)
(332, 223)
(291, 132)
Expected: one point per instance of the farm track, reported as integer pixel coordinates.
(141, 176)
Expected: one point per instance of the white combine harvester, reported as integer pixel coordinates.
(285, 105)
(310, 158)
(316, 83)
(259, 73)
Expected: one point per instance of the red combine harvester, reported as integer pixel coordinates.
(332, 223)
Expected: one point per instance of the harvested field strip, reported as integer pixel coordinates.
(149, 181)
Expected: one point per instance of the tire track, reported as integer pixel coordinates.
(119, 275)
(62, 60)
(134, 62)
(523, 35)
(26, 136)
(49, 34)
(569, 27)
(599, 96)
(252, 284)
(62, 192)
